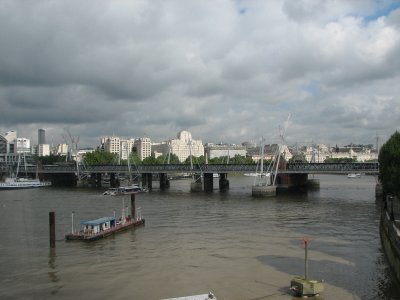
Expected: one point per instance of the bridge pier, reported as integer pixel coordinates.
(292, 182)
(223, 182)
(113, 182)
(98, 180)
(196, 185)
(63, 179)
(263, 191)
(164, 181)
(208, 182)
(147, 180)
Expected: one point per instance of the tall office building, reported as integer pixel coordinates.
(41, 136)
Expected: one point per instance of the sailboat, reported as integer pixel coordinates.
(14, 182)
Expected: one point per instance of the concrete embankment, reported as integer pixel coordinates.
(390, 238)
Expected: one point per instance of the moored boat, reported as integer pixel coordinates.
(14, 183)
(354, 175)
(102, 227)
(125, 190)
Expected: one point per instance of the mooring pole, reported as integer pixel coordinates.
(306, 241)
(133, 207)
(52, 229)
(72, 222)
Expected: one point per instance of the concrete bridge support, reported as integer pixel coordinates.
(147, 180)
(113, 182)
(263, 191)
(196, 185)
(98, 180)
(208, 182)
(60, 179)
(164, 181)
(223, 182)
(292, 182)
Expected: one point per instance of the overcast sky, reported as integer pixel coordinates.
(227, 71)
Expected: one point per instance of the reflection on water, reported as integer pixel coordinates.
(237, 246)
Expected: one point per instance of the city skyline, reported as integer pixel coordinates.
(227, 71)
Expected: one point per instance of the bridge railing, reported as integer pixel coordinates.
(370, 167)
(311, 168)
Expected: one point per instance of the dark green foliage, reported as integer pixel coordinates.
(100, 158)
(196, 160)
(51, 159)
(298, 158)
(389, 165)
(173, 159)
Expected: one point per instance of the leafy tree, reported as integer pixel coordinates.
(173, 159)
(50, 159)
(100, 158)
(151, 160)
(389, 165)
(134, 159)
(196, 160)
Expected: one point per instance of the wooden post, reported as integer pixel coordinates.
(52, 229)
(133, 207)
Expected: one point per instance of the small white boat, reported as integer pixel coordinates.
(125, 190)
(257, 174)
(354, 175)
(208, 296)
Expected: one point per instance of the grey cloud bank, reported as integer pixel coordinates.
(225, 70)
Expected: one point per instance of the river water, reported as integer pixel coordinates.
(234, 245)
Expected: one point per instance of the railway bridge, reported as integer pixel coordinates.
(287, 175)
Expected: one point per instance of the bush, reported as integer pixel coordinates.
(389, 165)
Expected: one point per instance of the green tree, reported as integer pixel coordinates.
(134, 159)
(389, 165)
(196, 160)
(151, 160)
(50, 159)
(100, 158)
(173, 159)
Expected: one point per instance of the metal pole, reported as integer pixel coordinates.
(72, 219)
(52, 229)
(306, 259)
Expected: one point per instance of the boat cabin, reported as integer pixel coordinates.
(98, 225)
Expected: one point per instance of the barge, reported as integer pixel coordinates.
(102, 227)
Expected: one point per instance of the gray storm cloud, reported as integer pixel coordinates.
(224, 70)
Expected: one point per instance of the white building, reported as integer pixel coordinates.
(61, 149)
(23, 145)
(224, 150)
(181, 147)
(43, 150)
(121, 147)
(143, 148)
